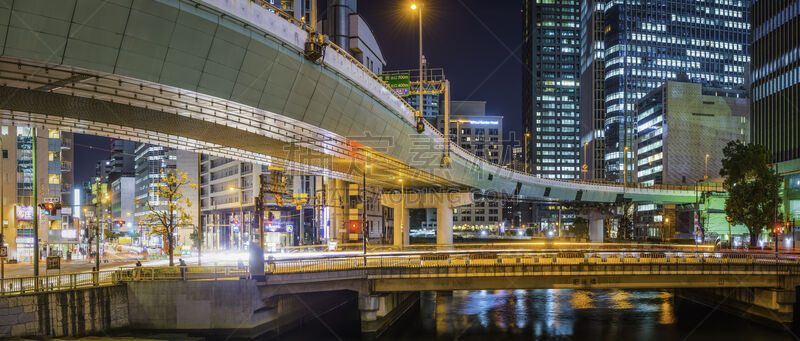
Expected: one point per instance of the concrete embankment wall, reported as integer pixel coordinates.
(226, 308)
(64, 313)
(769, 306)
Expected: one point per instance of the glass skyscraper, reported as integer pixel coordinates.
(550, 87)
(593, 109)
(650, 42)
(776, 77)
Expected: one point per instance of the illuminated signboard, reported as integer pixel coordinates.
(23, 212)
(399, 82)
(477, 122)
(69, 234)
(484, 122)
(24, 240)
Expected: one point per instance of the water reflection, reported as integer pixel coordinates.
(569, 314)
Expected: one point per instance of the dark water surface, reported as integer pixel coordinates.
(497, 315)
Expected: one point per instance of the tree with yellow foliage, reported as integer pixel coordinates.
(168, 207)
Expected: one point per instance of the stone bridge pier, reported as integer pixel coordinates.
(443, 202)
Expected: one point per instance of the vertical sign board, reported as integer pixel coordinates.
(399, 82)
(3, 251)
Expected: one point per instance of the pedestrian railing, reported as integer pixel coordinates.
(177, 273)
(645, 262)
(30, 284)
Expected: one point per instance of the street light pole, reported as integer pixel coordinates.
(402, 212)
(414, 7)
(35, 205)
(364, 210)
(705, 177)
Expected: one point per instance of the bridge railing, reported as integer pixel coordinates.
(566, 262)
(30, 284)
(175, 273)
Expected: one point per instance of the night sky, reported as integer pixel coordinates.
(477, 42)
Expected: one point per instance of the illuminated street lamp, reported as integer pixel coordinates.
(402, 211)
(706, 176)
(241, 215)
(420, 126)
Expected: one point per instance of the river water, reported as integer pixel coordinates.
(497, 315)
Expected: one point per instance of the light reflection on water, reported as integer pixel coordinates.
(569, 314)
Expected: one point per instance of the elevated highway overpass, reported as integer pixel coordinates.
(228, 78)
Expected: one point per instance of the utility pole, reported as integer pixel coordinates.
(199, 214)
(364, 210)
(2, 212)
(35, 214)
(97, 230)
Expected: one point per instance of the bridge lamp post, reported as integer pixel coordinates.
(402, 211)
(241, 214)
(705, 177)
(420, 126)
(364, 209)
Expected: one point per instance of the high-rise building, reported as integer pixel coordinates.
(481, 135)
(122, 204)
(348, 30)
(57, 232)
(776, 92)
(649, 43)
(550, 87)
(122, 160)
(151, 160)
(683, 128)
(593, 109)
(776, 77)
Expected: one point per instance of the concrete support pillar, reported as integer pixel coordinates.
(378, 312)
(401, 230)
(595, 218)
(443, 202)
(596, 232)
(444, 224)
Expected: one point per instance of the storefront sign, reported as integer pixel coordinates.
(23, 212)
(69, 234)
(24, 240)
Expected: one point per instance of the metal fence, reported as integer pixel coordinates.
(548, 263)
(24, 285)
(188, 273)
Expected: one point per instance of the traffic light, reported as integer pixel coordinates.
(50, 208)
(119, 223)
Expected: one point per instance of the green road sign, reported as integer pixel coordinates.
(399, 82)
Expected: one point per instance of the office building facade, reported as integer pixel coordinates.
(776, 77)
(151, 161)
(593, 109)
(683, 128)
(58, 234)
(649, 43)
(550, 83)
(481, 135)
(776, 92)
